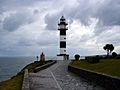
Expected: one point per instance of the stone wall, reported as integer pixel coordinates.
(25, 84)
(106, 81)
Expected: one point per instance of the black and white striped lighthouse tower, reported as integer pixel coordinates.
(62, 28)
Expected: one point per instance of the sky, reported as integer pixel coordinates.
(29, 27)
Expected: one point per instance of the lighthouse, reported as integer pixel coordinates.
(62, 27)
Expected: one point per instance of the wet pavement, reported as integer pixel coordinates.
(57, 77)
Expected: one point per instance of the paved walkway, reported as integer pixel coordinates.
(57, 77)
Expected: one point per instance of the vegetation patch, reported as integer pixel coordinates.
(32, 66)
(94, 59)
(107, 66)
(14, 83)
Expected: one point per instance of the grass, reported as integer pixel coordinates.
(15, 82)
(107, 66)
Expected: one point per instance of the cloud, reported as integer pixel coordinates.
(14, 21)
(29, 27)
(105, 11)
(6, 5)
(108, 13)
(110, 36)
(28, 40)
(51, 20)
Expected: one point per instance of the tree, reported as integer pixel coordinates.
(114, 54)
(109, 48)
(77, 56)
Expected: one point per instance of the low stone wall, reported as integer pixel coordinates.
(44, 66)
(25, 84)
(106, 81)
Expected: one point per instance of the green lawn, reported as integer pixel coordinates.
(108, 66)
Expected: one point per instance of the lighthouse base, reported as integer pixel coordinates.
(62, 57)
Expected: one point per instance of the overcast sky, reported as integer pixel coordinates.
(29, 27)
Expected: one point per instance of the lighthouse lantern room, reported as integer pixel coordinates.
(62, 27)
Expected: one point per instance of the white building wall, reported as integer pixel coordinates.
(62, 50)
(63, 38)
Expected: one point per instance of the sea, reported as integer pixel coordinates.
(10, 66)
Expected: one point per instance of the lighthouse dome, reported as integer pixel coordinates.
(62, 18)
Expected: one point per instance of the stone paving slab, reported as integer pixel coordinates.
(42, 81)
(57, 77)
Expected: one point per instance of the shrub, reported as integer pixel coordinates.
(77, 56)
(93, 59)
(114, 54)
(117, 57)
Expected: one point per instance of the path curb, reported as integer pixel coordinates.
(25, 85)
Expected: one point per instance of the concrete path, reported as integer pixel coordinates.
(57, 77)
